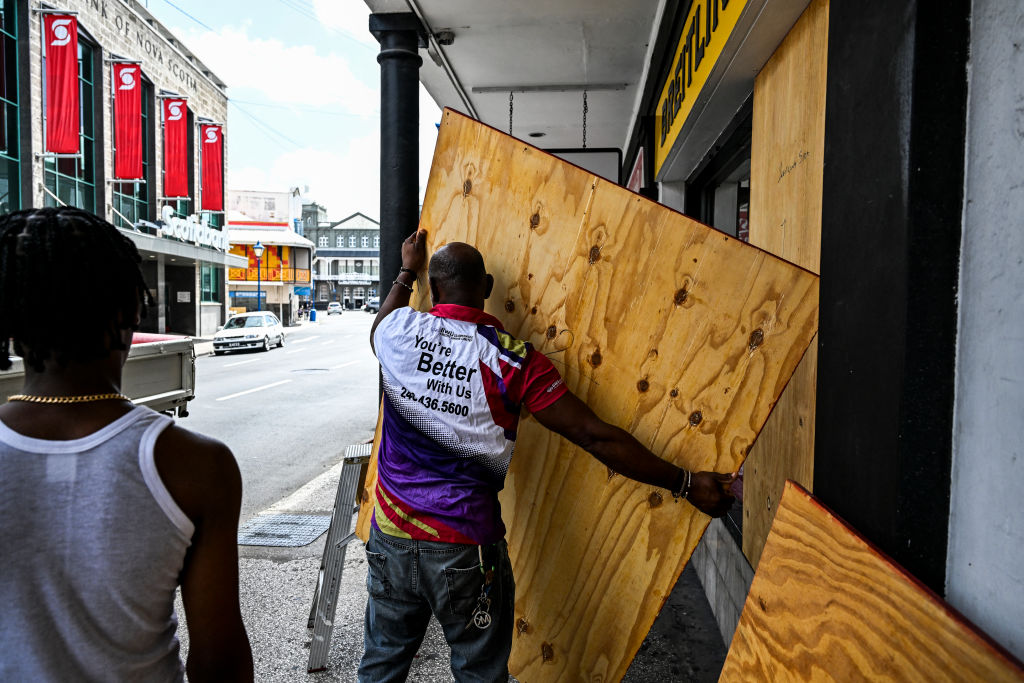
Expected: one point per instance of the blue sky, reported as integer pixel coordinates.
(303, 83)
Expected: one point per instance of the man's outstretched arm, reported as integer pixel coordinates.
(616, 448)
(414, 256)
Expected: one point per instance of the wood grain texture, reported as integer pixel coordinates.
(674, 331)
(786, 175)
(825, 605)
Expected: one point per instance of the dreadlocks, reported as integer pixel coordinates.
(48, 256)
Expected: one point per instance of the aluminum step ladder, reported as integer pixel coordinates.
(339, 535)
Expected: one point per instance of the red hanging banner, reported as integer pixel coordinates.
(60, 36)
(127, 122)
(213, 167)
(175, 148)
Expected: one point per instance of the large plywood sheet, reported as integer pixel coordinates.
(674, 331)
(825, 605)
(786, 176)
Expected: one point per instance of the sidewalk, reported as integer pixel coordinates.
(277, 587)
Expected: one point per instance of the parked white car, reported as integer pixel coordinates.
(334, 307)
(249, 331)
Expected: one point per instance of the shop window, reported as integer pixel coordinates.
(322, 242)
(352, 241)
(334, 267)
(210, 284)
(72, 180)
(718, 193)
(10, 132)
(131, 200)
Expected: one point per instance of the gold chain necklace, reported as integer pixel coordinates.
(88, 398)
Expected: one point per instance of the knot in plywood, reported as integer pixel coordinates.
(673, 393)
(534, 221)
(756, 339)
(552, 331)
(655, 499)
(680, 297)
(696, 418)
(643, 385)
(522, 625)
(595, 358)
(595, 255)
(547, 652)
(510, 305)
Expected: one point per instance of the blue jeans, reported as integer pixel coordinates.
(408, 581)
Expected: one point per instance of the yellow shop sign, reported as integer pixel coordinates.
(705, 32)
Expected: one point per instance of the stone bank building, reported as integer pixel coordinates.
(184, 250)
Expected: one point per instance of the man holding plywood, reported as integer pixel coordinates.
(454, 384)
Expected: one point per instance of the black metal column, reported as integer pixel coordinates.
(399, 36)
(890, 250)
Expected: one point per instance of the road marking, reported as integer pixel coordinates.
(344, 365)
(327, 343)
(303, 341)
(250, 391)
(241, 362)
(288, 353)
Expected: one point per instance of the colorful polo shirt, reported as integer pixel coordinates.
(454, 382)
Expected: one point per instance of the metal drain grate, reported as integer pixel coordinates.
(289, 531)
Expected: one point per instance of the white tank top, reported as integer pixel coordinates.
(91, 546)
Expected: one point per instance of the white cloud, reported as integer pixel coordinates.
(343, 182)
(294, 74)
(349, 16)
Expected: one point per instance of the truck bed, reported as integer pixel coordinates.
(159, 373)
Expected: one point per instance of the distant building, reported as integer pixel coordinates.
(346, 268)
(260, 205)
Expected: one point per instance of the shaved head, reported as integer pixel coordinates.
(457, 275)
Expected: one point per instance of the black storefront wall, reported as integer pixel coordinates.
(891, 228)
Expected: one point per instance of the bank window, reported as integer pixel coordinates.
(322, 241)
(210, 284)
(10, 133)
(339, 241)
(131, 200)
(365, 241)
(215, 219)
(73, 180)
(352, 241)
(376, 241)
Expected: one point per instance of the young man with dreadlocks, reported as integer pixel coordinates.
(105, 507)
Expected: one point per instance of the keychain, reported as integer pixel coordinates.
(481, 617)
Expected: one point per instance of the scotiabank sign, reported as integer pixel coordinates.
(192, 229)
(705, 32)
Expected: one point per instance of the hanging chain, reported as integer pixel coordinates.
(510, 112)
(585, 109)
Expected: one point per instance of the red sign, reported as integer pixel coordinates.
(175, 148)
(60, 36)
(636, 177)
(213, 167)
(127, 121)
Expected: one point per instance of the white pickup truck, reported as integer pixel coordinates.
(160, 373)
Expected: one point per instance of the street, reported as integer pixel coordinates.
(288, 414)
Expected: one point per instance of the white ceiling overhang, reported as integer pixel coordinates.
(545, 53)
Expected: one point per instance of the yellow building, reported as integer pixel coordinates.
(278, 278)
